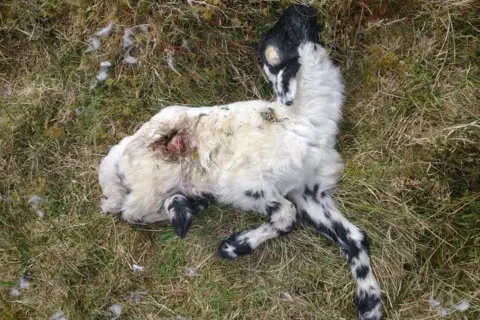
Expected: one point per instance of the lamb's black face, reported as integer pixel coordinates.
(279, 49)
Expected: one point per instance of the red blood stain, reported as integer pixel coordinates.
(176, 145)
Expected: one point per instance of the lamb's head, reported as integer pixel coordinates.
(279, 49)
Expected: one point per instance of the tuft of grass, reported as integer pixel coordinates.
(410, 138)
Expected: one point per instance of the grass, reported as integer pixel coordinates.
(410, 138)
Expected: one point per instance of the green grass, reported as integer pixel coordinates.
(410, 138)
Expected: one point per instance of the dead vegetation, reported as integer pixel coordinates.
(410, 138)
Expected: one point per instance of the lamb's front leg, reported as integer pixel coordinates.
(280, 214)
(317, 208)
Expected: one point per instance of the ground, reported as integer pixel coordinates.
(410, 137)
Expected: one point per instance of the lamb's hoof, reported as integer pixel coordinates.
(234, 246)
(181, 223)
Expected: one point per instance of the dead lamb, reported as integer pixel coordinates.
(276, 158)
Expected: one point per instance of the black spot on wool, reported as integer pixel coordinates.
(366, 302)
(327, 213)
(290, 73)
(255, 194)
(348, 245)
(273, 207)
(362, 271)
(338, 234)
(321, 228)
(312, 193)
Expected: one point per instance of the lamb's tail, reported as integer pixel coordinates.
(112, 180)
(325, 217)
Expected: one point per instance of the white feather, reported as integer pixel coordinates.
(105, 31)
(79, 111)
(115, 311)
(463, 305)
(144, 28)
(137, 268)
(102, 75)
(443, 311)
(171, 61)
(135, 296)
(24, 282)
(130, 60)
(127, 38)
(191, 272)
(94, 84)
(14, 292)
(58, 315)
(185, 45)
(105, 64)
(286, 296)
(94, 44)
(35, 199)
(434, 304)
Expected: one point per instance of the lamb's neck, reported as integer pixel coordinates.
(319, 99)
(319, 94)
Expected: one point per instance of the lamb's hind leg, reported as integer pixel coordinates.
(316, 207)
(281, 217)
(143, 208)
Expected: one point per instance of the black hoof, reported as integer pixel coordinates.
(232, 247)
(180, 212)
(181, 223)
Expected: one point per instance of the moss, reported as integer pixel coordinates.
(381, 62)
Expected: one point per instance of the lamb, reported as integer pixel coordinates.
(275, 158)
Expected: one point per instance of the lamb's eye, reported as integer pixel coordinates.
(272, 56)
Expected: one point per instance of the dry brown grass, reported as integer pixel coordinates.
(410, 138)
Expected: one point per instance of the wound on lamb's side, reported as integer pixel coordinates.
(172, 145)
(176, 144)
